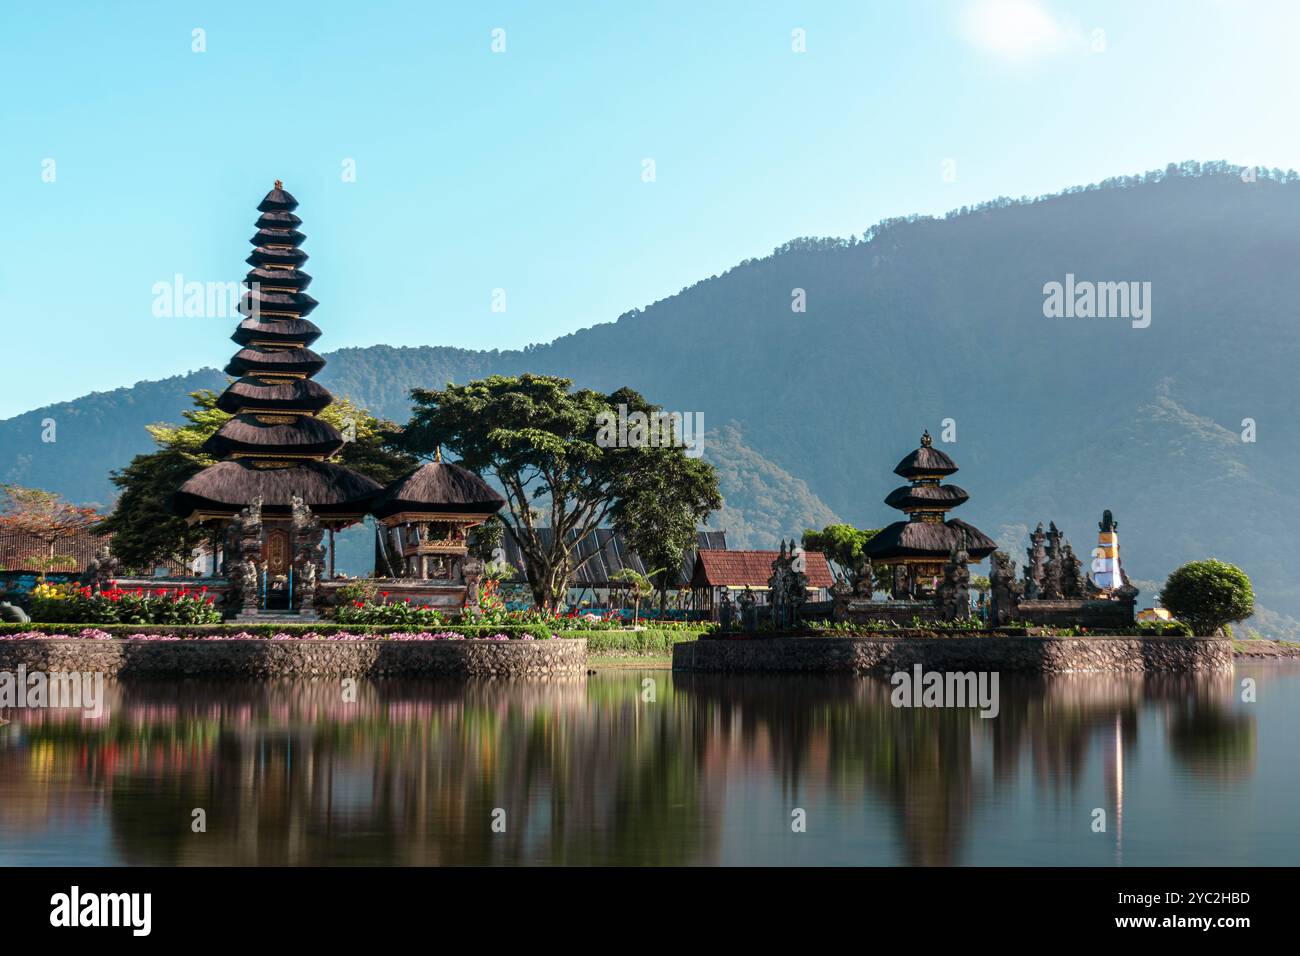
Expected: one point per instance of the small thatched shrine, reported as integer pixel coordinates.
(919, 549)
(427, 516)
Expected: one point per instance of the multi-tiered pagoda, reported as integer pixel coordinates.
(918, 548)
(276, 487)
(275, 449)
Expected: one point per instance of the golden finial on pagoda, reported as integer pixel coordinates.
(279, 184)
(926, 440)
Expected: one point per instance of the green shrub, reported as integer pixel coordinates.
(1209, 596)
(647, 642)
(401, 613)
(1164, 628)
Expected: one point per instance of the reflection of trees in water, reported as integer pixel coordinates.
(842, 736)
(1205, 736)
(410, 773)
(921, 761)
(586, 771)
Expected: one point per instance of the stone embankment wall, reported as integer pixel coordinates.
(1037, 655)
(290, 659)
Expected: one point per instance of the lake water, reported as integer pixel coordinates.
(712, 770)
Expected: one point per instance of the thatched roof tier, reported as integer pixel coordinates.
(277, 200)
(255, 360)
(926, 462)
(276, 236)
(264, 255)
(928, 541)
(296, 394)
(278, 219)
(269, 279)
(926, 497)
(262, 302)
(279, 331)
(228, 486)
(438, 487)
(266, 434)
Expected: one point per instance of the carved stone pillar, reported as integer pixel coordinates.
(308, 555)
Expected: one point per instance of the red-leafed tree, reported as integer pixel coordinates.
(43, 515)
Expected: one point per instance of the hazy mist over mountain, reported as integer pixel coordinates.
(925, 320)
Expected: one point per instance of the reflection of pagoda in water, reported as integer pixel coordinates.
(918, 548)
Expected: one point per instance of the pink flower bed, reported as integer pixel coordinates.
(94, 634)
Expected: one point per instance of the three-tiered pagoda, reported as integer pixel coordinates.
(918, 548)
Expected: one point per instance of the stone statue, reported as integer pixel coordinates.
(101, 569)
(1051, 583)
(953, 595)
(1036, 566)
(1006, 590)
(12, 614)
(748, 612)
(864, 580)
(787, 587)
(243, 558)
(726, 610)
(308, 554)
(245, 586)
(902, 587)
(471, 570)
(1073, 581)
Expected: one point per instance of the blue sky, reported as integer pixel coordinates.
(522, 170)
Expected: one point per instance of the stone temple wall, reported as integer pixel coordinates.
(858, 611)
(1035, 655)
(1076, 612)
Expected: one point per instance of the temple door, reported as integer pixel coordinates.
(275, 552)
(275, 560)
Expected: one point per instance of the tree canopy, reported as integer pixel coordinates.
(1208, 595)
(842, 544)
(44, 516)
(539, 438)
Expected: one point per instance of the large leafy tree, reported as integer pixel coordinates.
(146, 532)
(1209, 595)
(44, 516)
(539, 438)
